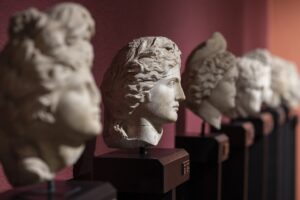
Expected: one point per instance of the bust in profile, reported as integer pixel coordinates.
(48, 98)
(286, 82)
(265, 58)
(141, 92)
(209, 80)
(249, 86)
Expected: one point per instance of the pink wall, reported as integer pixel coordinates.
(186, 22)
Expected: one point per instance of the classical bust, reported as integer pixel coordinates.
(250, 86)
(209, 80)
(265, 58)
(48, 98)
(285, 82)
(141, 92)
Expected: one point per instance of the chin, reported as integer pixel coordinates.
(172, 118)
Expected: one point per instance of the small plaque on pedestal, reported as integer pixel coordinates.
(154, 175)
(71, 190)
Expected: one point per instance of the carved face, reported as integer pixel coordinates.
(163, 99)
(223, 96)
(78, 106)
(252, 100)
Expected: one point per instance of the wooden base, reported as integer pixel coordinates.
(155, 175)
(207, 155)
(72, 190)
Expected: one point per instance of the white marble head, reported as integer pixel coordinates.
(291, 96)
(249, 86)
(141, 92)
(265, 58)
(280, 82)
(48, 98)
(209, 80)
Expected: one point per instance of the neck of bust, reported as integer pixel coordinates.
(145, 131)
(210, 114)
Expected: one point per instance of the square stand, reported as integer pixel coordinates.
(235, 169)
(72, 190)
(154, 176)
(207, 155)
(258, 156)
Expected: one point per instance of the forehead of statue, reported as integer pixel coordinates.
(172, 72)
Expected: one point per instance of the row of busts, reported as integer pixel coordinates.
(50, 103)
(216, 82)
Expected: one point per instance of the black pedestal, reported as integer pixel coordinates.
(206, 154)
(154, 176)
(235, 169)
(72, 190)
(258, 156)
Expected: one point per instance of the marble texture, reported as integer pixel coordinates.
(48, 96)
(141, 92)
(265, 58)
(250, 87)
(209, 80)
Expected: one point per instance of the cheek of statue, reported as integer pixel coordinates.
(78, 108)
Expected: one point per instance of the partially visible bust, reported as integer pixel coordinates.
(290, 78)
(48, 98)
(209, 80)
(280, 81)
(141, 92)
(250, 85)
(265, 58)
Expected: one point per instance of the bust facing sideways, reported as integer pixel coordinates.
(49, 101)
(141, 92)
(250, 87)
(209, 80)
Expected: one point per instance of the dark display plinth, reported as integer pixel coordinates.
(155, 175)
(72, 190)
(258, 155)
(235, 169)
(207, 155)
(274, 157)
(287, 150)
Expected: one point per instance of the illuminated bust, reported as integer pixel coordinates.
(141, 92)
(209, 80)
(265, 58)
(48, 98)
(249, 86)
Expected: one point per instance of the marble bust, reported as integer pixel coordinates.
(249, 86)
(48, 98)
(280, 82)
(265, 58)
(209, 80)
(141, 92)
(290, 89)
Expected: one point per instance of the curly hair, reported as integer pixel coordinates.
(133, 72)
(206, 66)
(251, 73)
(34, 62)
(200, 79)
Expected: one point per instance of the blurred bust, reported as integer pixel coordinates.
(286, 82)
(48, 98)
(141, 92)
(249, 86)
(265, 58)
(209, 80)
